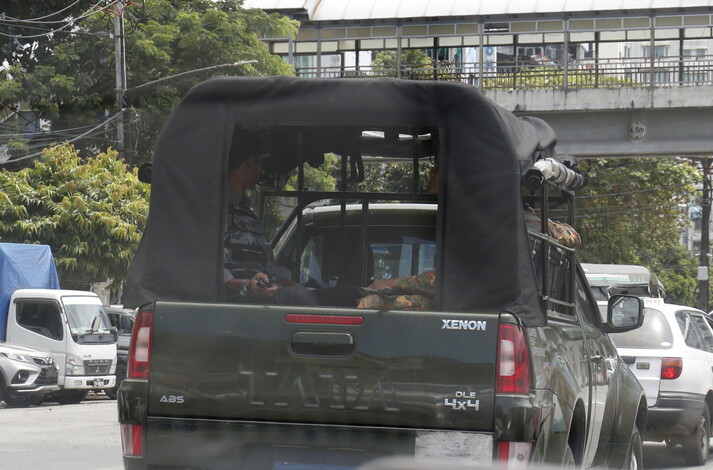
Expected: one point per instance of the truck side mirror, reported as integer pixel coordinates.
(625, 312)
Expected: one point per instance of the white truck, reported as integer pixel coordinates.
(72, 325)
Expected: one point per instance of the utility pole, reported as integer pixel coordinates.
(702, 276)
(120, 57)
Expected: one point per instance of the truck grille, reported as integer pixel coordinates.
(97, 367)
(48, 376)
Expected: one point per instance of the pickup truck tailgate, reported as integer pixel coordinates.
(266, 363)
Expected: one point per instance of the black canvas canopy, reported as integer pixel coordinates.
(484, 261)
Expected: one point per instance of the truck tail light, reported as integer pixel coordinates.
(513, 362)
(140, 349)
(514, 455)
(671, 368)
(131, 439)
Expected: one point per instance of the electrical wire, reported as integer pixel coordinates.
(46, 16)
(627, 193)
(623, 211)
(37, 154)
(72, 22)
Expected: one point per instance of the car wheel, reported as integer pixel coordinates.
(635, 456)
(695, 446)
(23, 401)
(69, 397)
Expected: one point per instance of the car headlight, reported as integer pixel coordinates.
(18, 357)
(74, 366)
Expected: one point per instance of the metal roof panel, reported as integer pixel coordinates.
(336, 10)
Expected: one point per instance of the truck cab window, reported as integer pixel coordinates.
(586, 308)
(41, 317)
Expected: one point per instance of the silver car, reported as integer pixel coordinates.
(26, 375)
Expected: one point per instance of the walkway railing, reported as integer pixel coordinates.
(530, 74)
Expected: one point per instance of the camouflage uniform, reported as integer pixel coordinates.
(411, 293)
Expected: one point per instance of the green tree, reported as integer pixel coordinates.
(415, 64)
(632, 211)
(69, 77)
(91, 212)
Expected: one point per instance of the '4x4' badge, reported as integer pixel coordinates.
(463, 401)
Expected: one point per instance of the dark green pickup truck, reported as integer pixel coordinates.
(512, 363)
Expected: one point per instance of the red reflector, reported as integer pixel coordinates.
(503, 452)
(131, 439)
(671, 368)
(514, 455)
(324, 319)
(513, 367)
(140, 349)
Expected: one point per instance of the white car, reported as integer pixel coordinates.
(672, 356)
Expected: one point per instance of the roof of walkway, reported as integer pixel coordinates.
(355, 10)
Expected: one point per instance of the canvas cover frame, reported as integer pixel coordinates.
(484, 262)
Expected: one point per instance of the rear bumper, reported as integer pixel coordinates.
(198, 444)
(245, 445)
(675, 414)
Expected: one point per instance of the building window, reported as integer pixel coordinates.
(659, 51)
(700, 52)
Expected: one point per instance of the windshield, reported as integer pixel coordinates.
(655, 333)
(81, 313)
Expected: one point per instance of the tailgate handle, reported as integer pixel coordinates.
(322, 343)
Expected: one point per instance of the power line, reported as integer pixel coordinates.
(627, 193)
(46, 16)
(623, 211)
(104, 123)
(71, 22)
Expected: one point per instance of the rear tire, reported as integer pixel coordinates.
(635, 456)
(695, 446)
(69, 397)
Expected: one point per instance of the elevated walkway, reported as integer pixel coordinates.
(612, 78)
(618, 122)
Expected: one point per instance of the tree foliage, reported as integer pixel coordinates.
(415, 64)
(632, 211)
(552, 77)
(91, 212)
(69, 77)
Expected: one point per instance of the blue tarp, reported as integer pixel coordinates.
(24, 266)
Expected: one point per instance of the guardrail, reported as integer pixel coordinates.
(534, 74)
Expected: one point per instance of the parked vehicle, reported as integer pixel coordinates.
(512, 363)
(123, 320)
(672, 356)
(608, 279)
(72, 325)
(26, 375)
